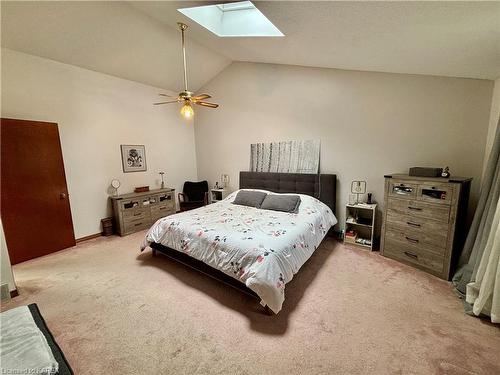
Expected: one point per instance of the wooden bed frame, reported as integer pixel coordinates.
(320, 186)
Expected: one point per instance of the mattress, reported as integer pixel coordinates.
(263, 249)
(27, 346)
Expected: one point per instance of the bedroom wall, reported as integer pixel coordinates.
(97, 113)
(369, 124)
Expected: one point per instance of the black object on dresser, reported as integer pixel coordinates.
(425, 172)
(424, 221)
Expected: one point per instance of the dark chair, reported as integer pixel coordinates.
(194, 195)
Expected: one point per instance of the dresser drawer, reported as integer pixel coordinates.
(402, 189)
(435, 193)
(135, 214)
(416, 239)
(160, 211)
(134, 203)
(166, 198)
(428, 231)
(418, 209)
(133, 226)
(413, 255)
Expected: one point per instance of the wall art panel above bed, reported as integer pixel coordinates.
(285, 156)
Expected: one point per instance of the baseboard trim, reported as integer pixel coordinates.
(86, 238)
(14, 293)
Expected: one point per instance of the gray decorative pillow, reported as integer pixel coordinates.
(249, 198)
(285, 203)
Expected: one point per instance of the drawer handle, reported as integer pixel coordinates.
(413, 224)
(163, 208)
(138, 214)
(411, 255)
(414, 208)
(136, 225)
(411, 239)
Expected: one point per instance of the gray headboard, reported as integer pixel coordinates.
(320, 186)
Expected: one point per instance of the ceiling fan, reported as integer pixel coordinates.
(187, 97)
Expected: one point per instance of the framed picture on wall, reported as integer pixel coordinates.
(133, 158)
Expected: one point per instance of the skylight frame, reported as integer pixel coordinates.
(232, 20)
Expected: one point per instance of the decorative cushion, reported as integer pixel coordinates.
(285, 203)
(249, 198)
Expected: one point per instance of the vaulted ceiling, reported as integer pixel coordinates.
(108, 37)
(139, 40)
(460, 39)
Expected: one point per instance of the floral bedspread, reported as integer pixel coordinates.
(261, 248)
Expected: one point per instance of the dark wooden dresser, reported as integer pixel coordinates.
(424, 221)
(136, 211)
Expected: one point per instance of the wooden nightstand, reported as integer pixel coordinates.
(216, 195)
(360, 219)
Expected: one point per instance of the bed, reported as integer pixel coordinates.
(254, 249)
(27, 346)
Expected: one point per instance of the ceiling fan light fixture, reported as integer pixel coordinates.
(186, 110)
(187, 97)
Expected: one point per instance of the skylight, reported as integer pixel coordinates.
(240, 19)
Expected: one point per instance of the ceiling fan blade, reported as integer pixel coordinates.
(172, 101)
(201, 97)
(168, 96)
(207, 104)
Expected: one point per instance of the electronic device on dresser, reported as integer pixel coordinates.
(424, 221)
(136, 211)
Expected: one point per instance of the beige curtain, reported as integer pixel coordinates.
(484, 293)
(477, 279)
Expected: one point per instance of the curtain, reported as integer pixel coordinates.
(483, 294)
(477, 278)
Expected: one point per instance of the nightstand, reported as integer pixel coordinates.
(360, 224)
(216, 195)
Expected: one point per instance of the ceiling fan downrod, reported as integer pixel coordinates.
(183, 27)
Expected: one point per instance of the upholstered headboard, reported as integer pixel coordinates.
(320, 186)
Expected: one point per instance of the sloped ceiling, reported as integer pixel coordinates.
(459, 39)
(108, 37)
(139, 40)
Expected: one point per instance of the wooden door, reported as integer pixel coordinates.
(35, 207)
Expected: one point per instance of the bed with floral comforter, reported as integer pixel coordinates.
(263, 249)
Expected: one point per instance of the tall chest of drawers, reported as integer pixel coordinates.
(136, 211)
(424, 221)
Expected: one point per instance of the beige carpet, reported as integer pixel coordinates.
(116, 311)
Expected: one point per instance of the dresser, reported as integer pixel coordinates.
(136, 211)
(424, 221)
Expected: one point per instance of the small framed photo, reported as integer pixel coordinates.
(133, 158)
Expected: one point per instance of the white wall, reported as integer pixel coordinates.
(6, 276)
(96, 113)
(369, 124)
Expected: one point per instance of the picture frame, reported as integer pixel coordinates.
(133, 158)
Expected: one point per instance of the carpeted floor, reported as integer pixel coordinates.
(116, 311)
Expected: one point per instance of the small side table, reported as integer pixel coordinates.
(216, 195)
(360, 222)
